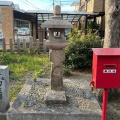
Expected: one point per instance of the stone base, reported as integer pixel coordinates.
(3, 116)
(30, 103)
(55, 97)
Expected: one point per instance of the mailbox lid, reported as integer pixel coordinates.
(106, 51)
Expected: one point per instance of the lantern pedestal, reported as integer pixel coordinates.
(55, 97)
(57, 93)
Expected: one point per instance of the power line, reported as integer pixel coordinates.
(53, 4)
(30, 4)
(49, 8)
(60, 3)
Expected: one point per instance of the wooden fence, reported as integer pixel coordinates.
(23, 46)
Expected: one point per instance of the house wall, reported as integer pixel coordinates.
(95, 6)
(83, 5)
(7, 23)
(92, 6)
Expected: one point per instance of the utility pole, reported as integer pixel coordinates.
(79, 4)
(53, 4)
(60, 3)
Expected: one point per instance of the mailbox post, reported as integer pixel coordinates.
(105, 72)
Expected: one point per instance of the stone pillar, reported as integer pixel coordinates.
(57, 57)
(4, 88)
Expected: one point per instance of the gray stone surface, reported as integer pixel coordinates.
(3, 116)
(57, 43)
(30, 103)
(57, 10)
(57, 57)
(55, 97)
(55, 23)
(4, 88)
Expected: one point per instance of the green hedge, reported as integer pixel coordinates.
(79, 50)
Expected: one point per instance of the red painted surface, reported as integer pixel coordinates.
(104, 104)
(106, 68)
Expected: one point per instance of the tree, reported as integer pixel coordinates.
(112, 24)
(112, 32)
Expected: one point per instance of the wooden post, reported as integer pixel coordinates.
(4, 45)
(18, 45)
(38, 45)
(11, 45)
(44, 46)
(24, 45)
(31, 44)
(41, 46)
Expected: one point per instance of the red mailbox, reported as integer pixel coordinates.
(106, 72)
(106, 68)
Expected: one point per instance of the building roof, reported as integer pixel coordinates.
(75, 4)
(14, 6)
(6, 3)
(70, 16)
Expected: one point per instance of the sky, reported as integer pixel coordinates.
(46, 5)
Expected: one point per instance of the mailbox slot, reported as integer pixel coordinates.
(110, 66)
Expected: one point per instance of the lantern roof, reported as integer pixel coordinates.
(56, 21)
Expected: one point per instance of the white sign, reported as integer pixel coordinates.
(109, 71)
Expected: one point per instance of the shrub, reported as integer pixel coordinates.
(93, 26)
(67, 70)
(79, 49)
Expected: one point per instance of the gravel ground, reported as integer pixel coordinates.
(79, 97)
(113, 107)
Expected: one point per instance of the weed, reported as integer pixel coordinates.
(34, 78)
(23, 104)
(20, 64)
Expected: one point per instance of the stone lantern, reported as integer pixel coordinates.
(56, 43)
